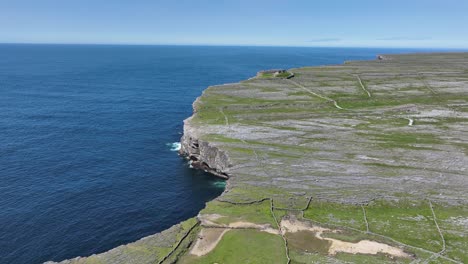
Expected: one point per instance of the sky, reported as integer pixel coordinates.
(317, 23)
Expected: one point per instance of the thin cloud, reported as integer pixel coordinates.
(325, 40)
(404, 38)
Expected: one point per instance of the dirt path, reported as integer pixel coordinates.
(226, 120)
(362, 86)
(426, 85)
(208, 221)
(208, 239)
(316, 94)
(365, 218)
(436, 255)
(212, 233)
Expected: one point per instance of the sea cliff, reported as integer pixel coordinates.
(203, 154)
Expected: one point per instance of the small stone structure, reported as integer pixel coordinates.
(381, 58)
(275, 72)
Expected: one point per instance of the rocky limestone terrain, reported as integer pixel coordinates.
(364, 162)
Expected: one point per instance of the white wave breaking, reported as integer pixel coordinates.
(174, 146)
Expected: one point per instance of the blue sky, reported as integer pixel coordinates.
(348, 23)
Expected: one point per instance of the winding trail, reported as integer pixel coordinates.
(316, 94)
(365, 218)
(426, 85)
(226, 120)
(436, 255)
(363, 86)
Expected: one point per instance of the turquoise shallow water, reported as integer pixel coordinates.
(86, 138)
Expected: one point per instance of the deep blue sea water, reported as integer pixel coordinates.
(85, 134)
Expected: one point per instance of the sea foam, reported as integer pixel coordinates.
(174, 146)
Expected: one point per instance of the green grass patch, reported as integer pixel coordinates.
(279, 155)
(307, 241)
(267, 75)
(221, 138)
(376, 124)
(295, 202)
(405, 221)
(343, 96)
(301, 93)
(387, 166)
(370, 259)
(279, 214)
(148, 250)
(336, 214)
(245, 151)
(272, 75)
(378, 101)
(244, 246)
(453, 222)
(246, 192)
(300, 257)
(404, 140)
(258, 213)
(269, 89)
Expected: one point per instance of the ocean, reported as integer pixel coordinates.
(87, 135)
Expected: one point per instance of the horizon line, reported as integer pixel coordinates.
(230, 45)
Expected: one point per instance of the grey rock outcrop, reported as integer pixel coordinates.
(202, 154)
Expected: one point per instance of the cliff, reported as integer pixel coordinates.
(202, 154)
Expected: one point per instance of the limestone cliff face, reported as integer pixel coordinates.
(203, 154)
